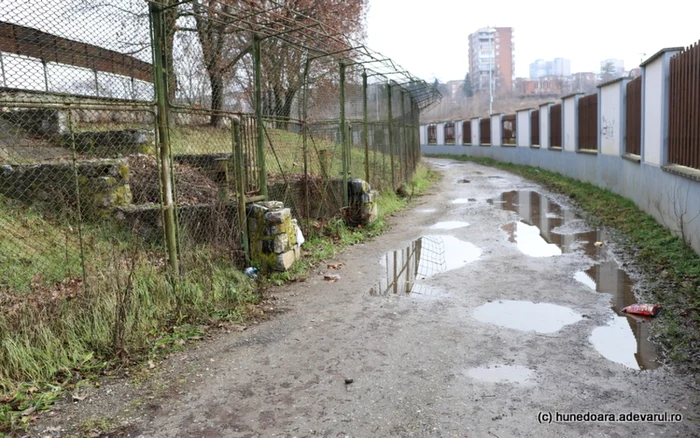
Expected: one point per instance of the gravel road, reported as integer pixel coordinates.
(499, 335)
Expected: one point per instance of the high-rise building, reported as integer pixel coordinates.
(560, 67)
(556, 67)
(492, 59)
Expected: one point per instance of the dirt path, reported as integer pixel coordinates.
(426, 364)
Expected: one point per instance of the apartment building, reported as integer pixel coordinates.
(492, 60)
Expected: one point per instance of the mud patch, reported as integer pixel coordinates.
(527, 316)
(502, 374)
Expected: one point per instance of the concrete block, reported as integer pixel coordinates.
(285, 260)
(279, 216)
(272, 205)
(281, 244)
(256, 210)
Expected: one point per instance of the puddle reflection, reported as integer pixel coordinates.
(449, 225)
(527, 316)
(423, 258)
(545, 223)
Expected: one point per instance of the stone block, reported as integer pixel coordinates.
(285, 260)
(272, 205)
(279, 216)
(281, 244)
(256, 210)
(274, 229)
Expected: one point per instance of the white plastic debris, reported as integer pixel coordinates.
(300, 235)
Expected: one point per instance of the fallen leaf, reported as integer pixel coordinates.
(331, 278)
(29, 411)
(335, 266)
(32, 390)
(151, 365)
(598, 244)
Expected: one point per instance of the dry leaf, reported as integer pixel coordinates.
(598, 244)
(151, 365)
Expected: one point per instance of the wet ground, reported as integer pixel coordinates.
(488, 306)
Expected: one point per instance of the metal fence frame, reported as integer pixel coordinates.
(555, 122)
(684, 108)
(535, 127)
(633, 117)
(485, 131)
(251, 154)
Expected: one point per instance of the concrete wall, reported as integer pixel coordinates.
(655, 77)
(612, 121)
(497, 130)
(458, 132)
(440, 133)
(544, 125)
(670, 193)
(569, 114)
(475, 131)
(522, 128)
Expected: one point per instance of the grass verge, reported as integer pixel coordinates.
(671, 266)
(60, 331)
(58, 334)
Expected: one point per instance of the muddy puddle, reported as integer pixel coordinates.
(527, 316)
(502, 374)
(546, 229)
(423, 258)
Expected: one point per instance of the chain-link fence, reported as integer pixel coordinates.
(133, 134)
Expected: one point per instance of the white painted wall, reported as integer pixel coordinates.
(652, 111)
(458, 132)
(423, 134)
(440, 133)
(544, 125)
(475, 131)
(496, 129)
(569, 110)
(522, 128)
(610, 123)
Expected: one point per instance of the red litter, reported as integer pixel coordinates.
(643, 309)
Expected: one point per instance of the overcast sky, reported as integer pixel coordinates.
(429, 37)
